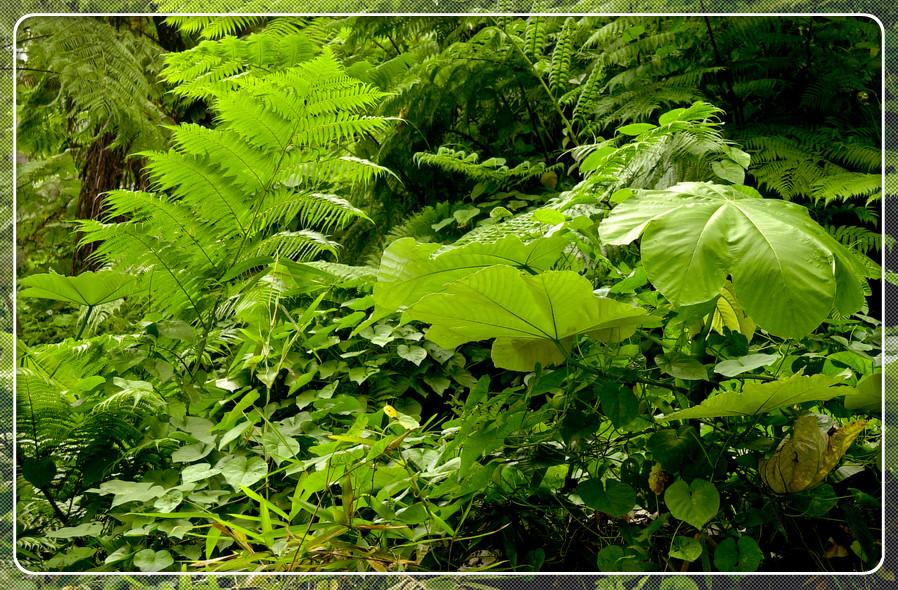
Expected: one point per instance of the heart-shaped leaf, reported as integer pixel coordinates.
(682, 366)
(129, 491)
(612, 497)
(240, 471)
(153, 561)
(743, 555)
(695, 503)
(39, 473)
(685, 548)
(618, 403)
(169, 501)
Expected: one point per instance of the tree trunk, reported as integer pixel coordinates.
(103, 170)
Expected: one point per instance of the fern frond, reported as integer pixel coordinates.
(469, 165)
(848, 185)
(296, 245)
(858, 238)
(559, 70)
(213, 27)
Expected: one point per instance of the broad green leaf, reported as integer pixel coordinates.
(612, 497)
(742, 555)
(153, 561)
(88, 288)
(685, 548)
(815, 502)
(87, 529)
(69, 558)
(618, 403)
(729, 313)
(610, 559)
(549, 216)
(671, 116)
(119, 554)
(744, 364)
(682, 366)
(729, 170)
(413, 354)
(868, 394)
(787, 271)
(695, 503)
(39, 473)
(463, 216)
(635, 128)
(198, 472)
(129, 491)
(410, 270)
(807, 455)
(759, 398)
(530, 316)
(242, 471)
(191, 453)
(169, 501)
(673, 447)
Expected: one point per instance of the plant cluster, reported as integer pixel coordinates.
(365, 306)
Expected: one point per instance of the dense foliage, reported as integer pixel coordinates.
(442, 294)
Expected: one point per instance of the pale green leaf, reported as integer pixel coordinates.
(523, 312)
(685, 548)
(787, 271)
(129, 491)
(410, 270)
(88, 288)
(759, 398)
(868, 394)
(153, 561)
(695, 503)
(242, 471)
(743, 364)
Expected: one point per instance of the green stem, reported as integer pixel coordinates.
(549, 93)
(90, 309)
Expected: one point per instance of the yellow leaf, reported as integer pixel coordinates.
(658, 479)
(807, 455)
(729, 314)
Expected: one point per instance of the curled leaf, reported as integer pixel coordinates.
(807, 455)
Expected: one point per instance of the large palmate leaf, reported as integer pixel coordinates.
(788, 272)
(757, 398)
(410, 270)
(532, 317)
(88, 288)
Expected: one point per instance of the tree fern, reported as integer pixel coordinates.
(102, 75)
(214, 66)
(251, 190)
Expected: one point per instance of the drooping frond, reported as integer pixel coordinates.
(214, 27)
(215, 66)
(260, 186)
(103, 77)
(469, 165)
